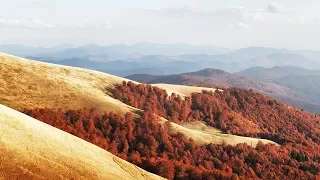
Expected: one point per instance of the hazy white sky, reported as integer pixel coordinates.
(290, 24)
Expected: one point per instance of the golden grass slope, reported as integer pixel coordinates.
(202, 134)
(30, 84)
(182, 90)
(30, 149)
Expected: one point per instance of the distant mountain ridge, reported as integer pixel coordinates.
(309, 84)
(165, 65)
(300, 80)
(270, 74)
(127, 67)
(22, 50)
(165, 59)
(71, 51)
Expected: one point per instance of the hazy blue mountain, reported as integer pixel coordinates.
(270, 74)
(140, 48)
(127, 67)
(187, 63)
(308, 85)
(20, 50)
(275, 59)
(181, 57)
(251, 57)
(288, 59)
(17, 50)
(303, 81)
(115, 51)
(245, 54)
(177, 49)
(310, 54)
(266, 57)
(98, 65)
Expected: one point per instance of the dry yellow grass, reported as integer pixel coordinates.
(182, 90)
(30, 149)
(202, 134)
(30, 84)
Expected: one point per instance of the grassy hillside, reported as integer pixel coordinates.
(29, 84)
(32, 84)
(182, 90)
(30, 149)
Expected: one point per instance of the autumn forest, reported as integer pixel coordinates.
(143, 141)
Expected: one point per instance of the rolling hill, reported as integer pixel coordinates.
(202, 134)
(30, 149)
(32, 84)
(219, 78)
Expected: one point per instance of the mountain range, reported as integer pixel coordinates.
(165, 59)
(70, 51)
(165, 65)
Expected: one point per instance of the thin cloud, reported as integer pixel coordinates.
(175, 12)
(188, 11)
(42, 24)
(88, 25)
(25, 23)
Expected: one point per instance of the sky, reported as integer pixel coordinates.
(292, 24)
